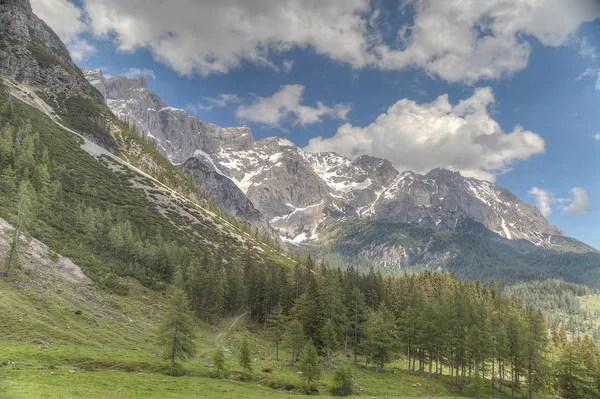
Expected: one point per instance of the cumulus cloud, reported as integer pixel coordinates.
(210, 103)
(469, 41)
(580, 202)
(286, 105)
(135, 73)
(592, 73)
(544, 200)
(420, 137)
(455, 40)
(232, 30)
(68, 22)
(597, 136)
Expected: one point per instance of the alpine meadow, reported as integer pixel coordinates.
(273, 199)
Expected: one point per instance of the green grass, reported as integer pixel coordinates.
(110, 345)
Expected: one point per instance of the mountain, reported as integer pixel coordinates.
(184, 140)
(107, 198)
(301, 194)
(32, 54)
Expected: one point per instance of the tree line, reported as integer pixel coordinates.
(433, 322)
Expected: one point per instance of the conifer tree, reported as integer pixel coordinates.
(294, 339)
(357, 315)
(177, 332)
(536, 342)
(219, 362)
(379, 336)
(23, 219)
(342, 381)
(309, 364)
(277, 328)
(245, 355)
(329, 338)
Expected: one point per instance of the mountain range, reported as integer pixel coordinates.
(302, 194)
(323, 203)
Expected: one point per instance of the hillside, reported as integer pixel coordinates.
(471, 252)
(300, 192)
(65, 336)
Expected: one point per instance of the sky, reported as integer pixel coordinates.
(503, 90)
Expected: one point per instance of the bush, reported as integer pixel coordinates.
(342, 381)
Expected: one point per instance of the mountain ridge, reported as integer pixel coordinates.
(299, 193)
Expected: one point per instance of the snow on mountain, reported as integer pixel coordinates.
(300, 192)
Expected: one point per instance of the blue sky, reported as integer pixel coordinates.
(358, 58)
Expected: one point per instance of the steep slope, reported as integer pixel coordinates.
(300, 193)
(393, 246)
(96, 188)
(180, 138)
(32, 54)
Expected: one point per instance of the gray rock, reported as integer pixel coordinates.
(301, 193)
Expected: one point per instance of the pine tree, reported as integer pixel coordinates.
(177, 332)
(219, 362)
(294, 339)
(277, 328)
(22, 221)
(329, 338)
(309, 364)
(245, 359)
(379, 336)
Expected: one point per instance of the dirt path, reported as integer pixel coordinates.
(219, 337)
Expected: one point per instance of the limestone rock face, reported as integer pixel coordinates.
(31, 53)
(301, 193)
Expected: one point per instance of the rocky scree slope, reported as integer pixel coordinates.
(70, 115)
(184, 140)
(301, 193)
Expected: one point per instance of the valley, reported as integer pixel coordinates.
(146, 253)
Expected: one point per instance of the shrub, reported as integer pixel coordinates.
(342, 381)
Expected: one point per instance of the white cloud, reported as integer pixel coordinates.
(135, 73)
(456, 40)
(420, 137)
(216, 35)
(286, 105)
(471, 40)
(591, 73)
(597, 136)
(543, 199)
(580, 202)
(287, 65)
(210, 103)
(586, 50)
(68, 22)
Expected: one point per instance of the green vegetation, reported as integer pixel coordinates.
(572, 306)
(475, 255)
(177, 333)
(245, 360)
(166, 287)
(309, 365)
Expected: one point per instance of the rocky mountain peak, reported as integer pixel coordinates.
(300, 192)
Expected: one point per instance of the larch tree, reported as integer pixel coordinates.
(245, 359)
(23, 220)
(380, 336)
(294, 339)
(176, 334)
(309, 364)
